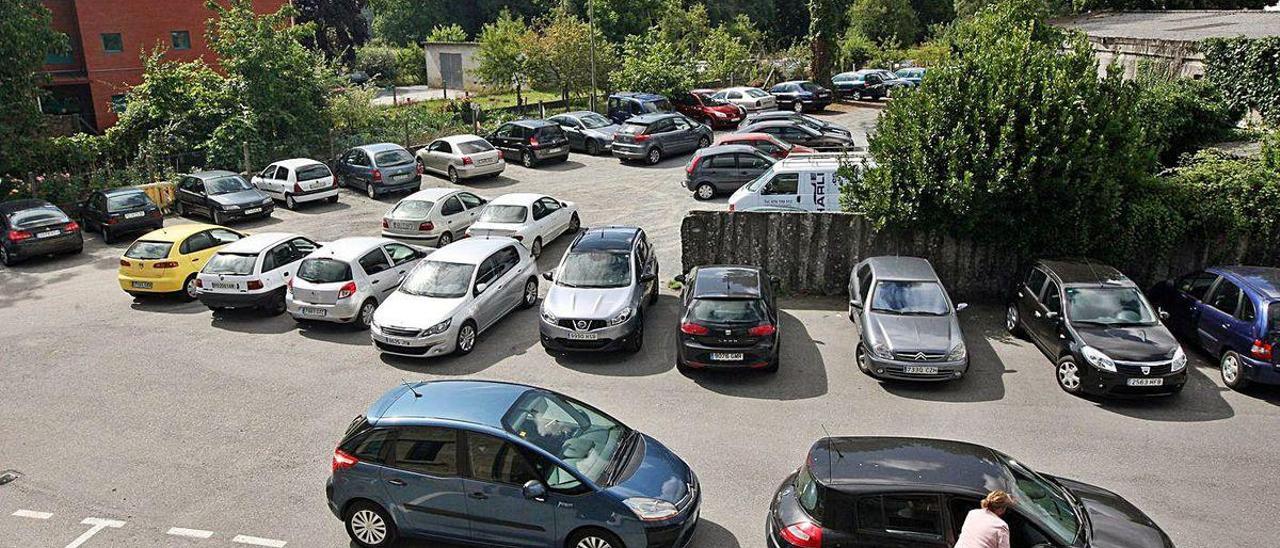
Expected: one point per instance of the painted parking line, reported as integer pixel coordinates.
(32, 514)
(256, 541)
(190, 533)
(97, 524)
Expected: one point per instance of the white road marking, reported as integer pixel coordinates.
(244, 539)
(32, 515)
(98, 524)
(193, 533)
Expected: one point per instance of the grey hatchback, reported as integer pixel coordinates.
(724, 168)
(650, 137)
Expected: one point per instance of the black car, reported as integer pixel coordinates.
(890, 492)
(811, 121)
(31, 228)
(1098, 328)
(120, 211)
(221, 196)
(801, 95)
(798, 133)
(859, 85)
(532, 141)
(728, 319)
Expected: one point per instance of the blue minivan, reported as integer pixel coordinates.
(1233, 313)
(500, 464)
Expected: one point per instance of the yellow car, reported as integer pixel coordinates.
(167, 260)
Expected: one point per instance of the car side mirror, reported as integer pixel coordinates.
(1052, 315)
(534, 489)
(1164, 315)
(481, 288)
(548, 276)
(855, 303)
(564, 204)
(961, 306)
(648, 277)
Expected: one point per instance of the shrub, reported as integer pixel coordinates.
(381, 63)
(654, 66)
(856, 50)
(447, 33)
(1177, 114)
(411, 66)
(884, 20)
(1247, 71)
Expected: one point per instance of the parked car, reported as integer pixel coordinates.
(454, 295)
(344, 281)
(749, 98)
(625, 105)
(378, 169)
(892, 80)
(906, 323)
(166, 261)
(723, 168)
(531, 219)
(651, 137)
(532, 141)
(461, 157)
(807, 182)
(117, 211)
(701, 106)
(774, 147)
(588, 131)
(252, 272)
(501, 464)
(808, 120)
(900, 492)
(860, 84)
(912, 74)
(433, 216)
(728, 320)
(602, 288)
(34, 228)
(221, 197)
(297, 181)
(1233, 313)
(1097, 327)
(801, 95)
(798, 133)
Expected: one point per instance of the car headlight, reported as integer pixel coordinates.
(1179, 360)
(266, 201)
(648, 509)
(881, 350)
(622, 316)
(718, 114)
(1097, 359)
(958, 353)
(437, 328)
(230, 207)
(549, 317)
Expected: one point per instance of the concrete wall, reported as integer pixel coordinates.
(467, 50)
(1128, 53)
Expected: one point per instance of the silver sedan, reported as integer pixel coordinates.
(461, 157)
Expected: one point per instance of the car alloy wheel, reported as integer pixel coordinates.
(1069, 375)
(857, 96)
(107, 236)
(367, 309)
(592, 541)
(536, 250)
(574, 223)
(526, 159)
(4, 257)
(797, 106)
(704, 142)
(453, 175)
(530, 293)
(637, 338)
(368, 527)
(290, 202)
(864, 361)
(655, 156)
(466, 338)
(1232, 374)
(216, 217)
(445, 239)
(593, 147)
(372, 192)
(189, 289)
(705, 192)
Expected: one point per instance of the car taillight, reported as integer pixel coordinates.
(642, 138)
(500, 155)
(72, 226)
(342, 460)
(297, 188)
(347, 290)
(199, 282)
(762, 330)
(422, 170)
(805, 534)
(690, 328)
(385, 224)
(377, 175)
(165, 264)
(254, 284)
(533, 141)
(1261, 350)
(466, 160)
(427, 226)
(18, 235)
(693, 164)
(125, 263)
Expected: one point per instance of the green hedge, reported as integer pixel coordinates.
(1248, 72)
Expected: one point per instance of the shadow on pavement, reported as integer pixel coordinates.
(167, 304)
(252, 320)
(567, 165)
(656, 356)
(341, 333)
(801, 370)
(1201, 398)
(710, 534)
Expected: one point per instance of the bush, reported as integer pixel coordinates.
(447, 33)
(1177, 114)
(1248, 72)
(884, 20)
(1230, 200)
(856, 50)
(411, 66)
(381, 63)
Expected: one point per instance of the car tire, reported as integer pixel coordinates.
(364, 316)
(216, 217)
(453, 175)
(371, 191)
(704, 191)
(1232, 371)
(704, 142)
(445, 239)
(575, 224)
(466, 340)
(527, 159)
(593, 147)
(857, 95)
(653, 295)
(278, 305)
(863, 360)
(188, 291)
(536, 248)
(1013, 322)
(290, 202)
(332, 199)
(107, 236)
(369, 526)
(654, 156)
(530, 293)
(179, 209)
(594, 538)
(1067, 371)
(797, 106)
(636, 341)
(5, 258)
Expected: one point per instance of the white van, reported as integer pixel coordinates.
(800, 182)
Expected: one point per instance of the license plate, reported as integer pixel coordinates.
(722, 357)
(134, 215)
(920, 370)
(217, 285)
(556, 150)
(47, 234)
(140, 285)
(1146, 382)
(583, 336)
(404, 177)
(313, 311)
(485, 161)
(404, 225)
(252, 211)
(396, 341)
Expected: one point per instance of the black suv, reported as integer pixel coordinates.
(729, 319)
(801, 95)
(532, 141)
(1097, 327)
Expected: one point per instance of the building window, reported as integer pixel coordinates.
(181, 39)
(59, 57)
(119, 103)
(112, 42)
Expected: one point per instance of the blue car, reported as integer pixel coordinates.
(498, 464)
(1233, 313)
(624, 106)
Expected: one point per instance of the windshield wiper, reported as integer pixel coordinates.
(626, 448)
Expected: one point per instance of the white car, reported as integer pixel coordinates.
(453, 296)
(461, 157)
(751, 99)
(252, 272)
(533, 219)
(298, 181)
(345, 280)
(434, 216)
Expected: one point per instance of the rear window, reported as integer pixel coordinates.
(412, 209)
(809, 86)
(388, 158)
(504, 214)
(324, 271)
(661, 105)
(632, 128)
(121, 202)
(472, 147)
(313, 172)
(28, 218)
(757, 93)
(145, 250)
(549, 132)
(236, 264)
(808, 492)
(750, 311)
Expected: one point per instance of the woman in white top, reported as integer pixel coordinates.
(984, 527)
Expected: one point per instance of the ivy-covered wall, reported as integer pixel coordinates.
(1247, 71)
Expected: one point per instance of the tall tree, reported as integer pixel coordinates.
(340, 26)
(447, 33)
(725, 57)
(502, 58)
(885, 21)
(561, 56)
(24, 24)
(652, 65)
(825, 22)
(683, 26)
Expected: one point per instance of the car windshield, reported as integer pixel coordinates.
(237, 264)
(909, 298)
(411, 209)
(710, 101)
(812, 124)
(497, 213)
(28, 218)
(146, 250)
(439, 279)
(132, 200)
(324, 271)
(1112, 306)
(750, 311)
(1043, 501)
(842, 77)
(313, 172)
(594, 121)
(757, 93)
(389, 158)
(661, 105)
(599, 269)
(583, 438)
(226, 185)
(472, 147)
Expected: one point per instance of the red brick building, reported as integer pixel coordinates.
(109, 39)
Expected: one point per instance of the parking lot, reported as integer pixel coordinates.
(157, 423)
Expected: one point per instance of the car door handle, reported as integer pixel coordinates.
(395, 482)
(1226, 326)
(195, 260)
(478, 496)
(375, 282)
(1037, 313)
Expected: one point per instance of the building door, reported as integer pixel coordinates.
(451, 70)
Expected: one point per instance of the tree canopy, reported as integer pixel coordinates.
(24, 24)
(340, 26)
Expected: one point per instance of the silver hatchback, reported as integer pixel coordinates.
(344, 281)
(461, 157)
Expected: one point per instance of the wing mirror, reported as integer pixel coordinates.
(855, 303)
(548, 276)
(534, 489)
(648, 277)
(679, 278)
(481, 288)
(1164, 314)
(961, 306)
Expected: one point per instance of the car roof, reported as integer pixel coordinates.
(724, 149)
(1085, 272)
(902, 268)
(477, 402)
(433, 194)
(532, 123)
(794, 82)
(461, 138)
(121, 191)
(212, 173)
(607, 238)
(747, 136)
(349, 249)
(646, 119)
(380, 147)
(740, 88)
(898, 462)
(518, 198)
(579, 113)
(727, 281)
(294, 163)
(785, 122)
(638, 95)
(1261, 279)
(255, 243)
(470, 250)
(21, 204)
(177, 233)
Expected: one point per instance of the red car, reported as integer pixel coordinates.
(699, 105)
(765, 143)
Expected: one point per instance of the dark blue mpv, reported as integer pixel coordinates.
(1233, 313)
(498, 464)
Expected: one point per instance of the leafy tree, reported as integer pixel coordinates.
(404, 22)
(1137, 5)
(502, 58)
(725, 57)
(746, 31)
(561, 56)
(174, 110)
(933, 12)
(824, 28)
(684, 27)
(1179, 114)
(24, 24)
(885, 20)
(447, 33)
(856, 50)
(616, 19)
(1247, 71)
(340, 26)
(379, 62)
(653, 65)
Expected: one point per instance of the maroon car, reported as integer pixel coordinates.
(765, 143)
(699, 105)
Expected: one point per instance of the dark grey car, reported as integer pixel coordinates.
(907, 326)
(798, 133)
(724, 168)
(378, 169)
(651, 137)
(220, 196)
(588, 131)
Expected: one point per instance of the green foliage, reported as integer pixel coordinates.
(746, 31)
(411, 66)
(407, 22)
(173, 111)
(1229, 200)
(381, 63)
(1247, 71)
(1178, 114)
(502, 59)
(27, 36)
(1081, 6)
(561, 56)
(447, 33)
(683, 27)
(856, 50)
(1271, 151)
(340, 26)
(933, 12)
(724, 56)
(885, 20)
(653, 65)
(825, 27)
